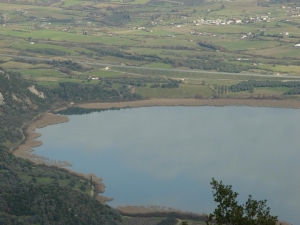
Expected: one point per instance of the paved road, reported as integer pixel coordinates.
(156, 69)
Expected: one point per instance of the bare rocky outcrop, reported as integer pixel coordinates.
(16, 98)
(33, 90)
(1, 99)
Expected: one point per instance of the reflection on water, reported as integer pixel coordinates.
(168, 155)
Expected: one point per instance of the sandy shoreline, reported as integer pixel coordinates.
(24, 150)
(194, 102)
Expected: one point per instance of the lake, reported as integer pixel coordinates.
(167, 156)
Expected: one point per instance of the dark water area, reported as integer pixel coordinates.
(167, 156)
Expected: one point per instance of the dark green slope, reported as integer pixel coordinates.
(19, 105)
(37, 195)
(31, 194)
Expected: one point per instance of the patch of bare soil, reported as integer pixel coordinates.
(141, 221)
(195, 102)
(145, 209)
(157, 211)
(282, 223)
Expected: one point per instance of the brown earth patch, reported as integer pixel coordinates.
(195, 102)
(157, 211)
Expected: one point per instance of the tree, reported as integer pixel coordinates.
(91, 180)
(228, 211)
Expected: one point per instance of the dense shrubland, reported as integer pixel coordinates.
(39, 195)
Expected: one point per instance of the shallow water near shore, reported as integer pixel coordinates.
(167, 156)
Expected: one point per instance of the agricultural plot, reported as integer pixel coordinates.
(248, 45)
(232, 41)
(103, 73)
(10, 65)
(40, 48)
(158, 65)
(184, 91)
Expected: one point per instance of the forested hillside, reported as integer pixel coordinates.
(37, 195)
(21, 100)
(31, 194)
(18, 105)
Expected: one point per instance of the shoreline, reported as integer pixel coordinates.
(193, 102)
(26, 147)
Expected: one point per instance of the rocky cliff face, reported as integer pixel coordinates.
(20, 101)
(33, 90)
(1, 99)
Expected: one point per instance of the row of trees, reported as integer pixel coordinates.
(143, 81)
(47, 51)
(69, 64)
(250, 85)
(211, 46)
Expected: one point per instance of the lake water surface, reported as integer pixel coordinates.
(167, 156)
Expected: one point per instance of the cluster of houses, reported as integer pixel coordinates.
(204, 34)
(94, 78)
(139, 28)
(22, 11)
(45, 25)
(216, 22)
(292, 10)
(264, 18)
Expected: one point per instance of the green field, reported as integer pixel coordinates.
(103, 73)
(184, 91)
(158, 65)
(36, 46)
(154, 35)
(248, 45)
